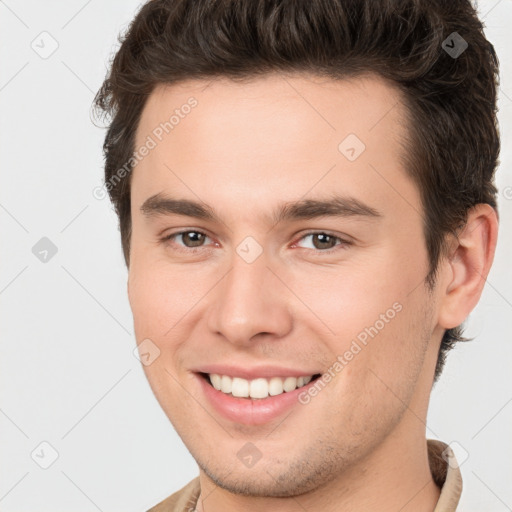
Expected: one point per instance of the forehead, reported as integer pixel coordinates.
(359, 105)
(240, 140)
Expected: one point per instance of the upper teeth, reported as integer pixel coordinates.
(257, 388)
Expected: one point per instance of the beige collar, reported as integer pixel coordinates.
(446, 473)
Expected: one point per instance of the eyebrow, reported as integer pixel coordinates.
(305, 209)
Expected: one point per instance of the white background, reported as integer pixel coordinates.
(68, 375)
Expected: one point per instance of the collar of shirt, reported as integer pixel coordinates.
(443, 466)
(446, 474)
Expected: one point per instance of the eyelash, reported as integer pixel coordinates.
(343, 245)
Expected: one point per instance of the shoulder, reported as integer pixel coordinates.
(183, 500)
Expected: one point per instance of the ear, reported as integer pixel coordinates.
(468, 265)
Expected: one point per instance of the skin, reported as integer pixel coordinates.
(245, 148)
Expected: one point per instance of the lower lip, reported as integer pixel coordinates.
(248, 411)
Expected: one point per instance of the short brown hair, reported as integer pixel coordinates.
(453, 138)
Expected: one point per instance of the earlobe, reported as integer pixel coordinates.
(469, 265)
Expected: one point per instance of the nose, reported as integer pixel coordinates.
(250, 302)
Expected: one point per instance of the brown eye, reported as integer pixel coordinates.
(324, 242)
(192, 238)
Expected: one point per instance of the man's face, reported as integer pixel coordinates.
(243, 296)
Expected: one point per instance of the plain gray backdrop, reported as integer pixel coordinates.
(80, 429)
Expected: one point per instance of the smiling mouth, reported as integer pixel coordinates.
(256, 389)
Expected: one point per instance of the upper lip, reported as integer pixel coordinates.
(249, 373)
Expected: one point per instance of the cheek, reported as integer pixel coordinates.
(164, 304)
(378, 377)
(392, 355)
(377, 321)
(158, 307)
(159, 297)
(347, 302)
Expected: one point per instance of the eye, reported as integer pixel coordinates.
(191, 239)
(325, 242)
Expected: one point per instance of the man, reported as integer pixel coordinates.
(308, 215)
